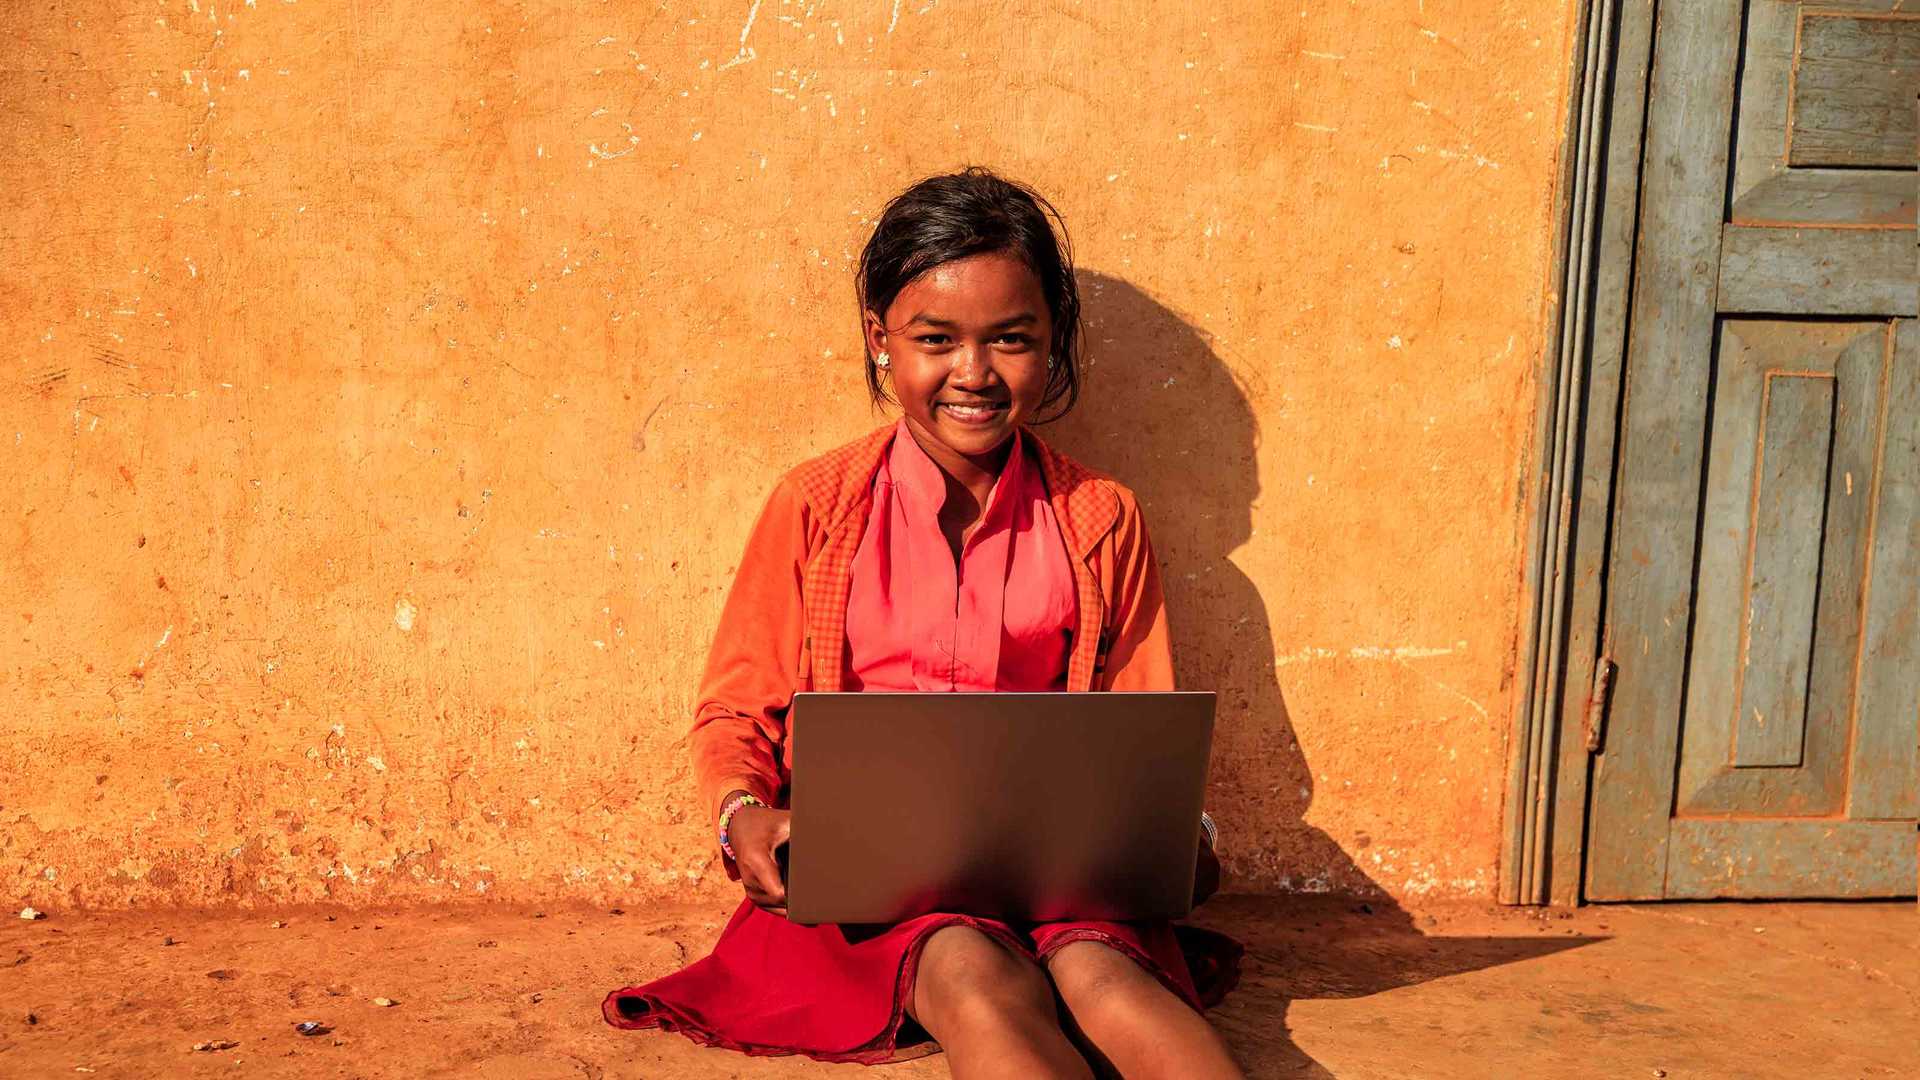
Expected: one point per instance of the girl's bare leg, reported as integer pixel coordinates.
(991, 1010)
(1139, 1026)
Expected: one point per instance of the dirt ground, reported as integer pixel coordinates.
(1330, 988)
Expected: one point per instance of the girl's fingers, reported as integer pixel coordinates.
(765, 888)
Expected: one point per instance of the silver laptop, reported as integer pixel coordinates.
(1022, 807)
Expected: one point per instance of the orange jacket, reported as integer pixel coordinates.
(783, 628)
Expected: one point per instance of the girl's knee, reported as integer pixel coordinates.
(1100, 984)
(967, 978)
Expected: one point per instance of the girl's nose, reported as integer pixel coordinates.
(972, 366)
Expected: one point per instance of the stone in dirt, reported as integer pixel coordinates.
(311, 1028)
(214, 1045)
(30, 913)
(385, 1003)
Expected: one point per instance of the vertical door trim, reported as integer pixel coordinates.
(1577, 416)
(1670, 350)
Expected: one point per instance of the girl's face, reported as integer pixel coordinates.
(968, 343)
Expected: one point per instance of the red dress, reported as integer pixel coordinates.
(999, 621)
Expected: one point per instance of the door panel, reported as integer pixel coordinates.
(1763, 588)
(1776, 624)
(1800, 115)
(1885, 766)
(1852, 89)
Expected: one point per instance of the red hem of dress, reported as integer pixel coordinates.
(879, 1050)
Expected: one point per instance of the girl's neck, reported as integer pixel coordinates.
(971, 474)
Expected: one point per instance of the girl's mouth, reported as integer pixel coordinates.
(985, 412)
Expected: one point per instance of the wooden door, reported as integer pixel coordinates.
(1763, 592)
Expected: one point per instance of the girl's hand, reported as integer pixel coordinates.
(757, 833)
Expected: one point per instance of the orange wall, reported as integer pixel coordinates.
(390, 393)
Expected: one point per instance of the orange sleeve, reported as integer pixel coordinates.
(1139, 656)
(753, 667)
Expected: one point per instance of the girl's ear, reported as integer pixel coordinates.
(875, 333)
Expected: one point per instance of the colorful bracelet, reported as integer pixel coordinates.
(726, 818)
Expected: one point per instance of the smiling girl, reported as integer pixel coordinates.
(951, 550)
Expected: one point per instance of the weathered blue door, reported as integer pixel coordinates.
(1763, 595)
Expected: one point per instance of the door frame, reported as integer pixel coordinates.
(1559, 718)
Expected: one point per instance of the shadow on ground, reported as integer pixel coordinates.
(1314, 947)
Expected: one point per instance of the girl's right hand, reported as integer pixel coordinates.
(756, 833)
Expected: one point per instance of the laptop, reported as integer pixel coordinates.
(1020, 807)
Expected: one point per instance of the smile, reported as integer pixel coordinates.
(980, 413)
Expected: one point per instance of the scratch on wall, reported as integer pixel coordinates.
(1368, 652)
(1398, 654)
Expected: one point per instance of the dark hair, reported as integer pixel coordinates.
(973, 212)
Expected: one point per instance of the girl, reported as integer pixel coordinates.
(949, 551)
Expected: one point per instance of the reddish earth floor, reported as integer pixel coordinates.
(1331, 988)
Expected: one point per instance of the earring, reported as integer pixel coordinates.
(1049, 361)
(883, 360)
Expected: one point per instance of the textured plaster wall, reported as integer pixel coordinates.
(389, 389)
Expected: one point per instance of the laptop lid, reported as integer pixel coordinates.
(1024, 807)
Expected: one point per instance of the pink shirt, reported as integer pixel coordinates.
(1001, 620)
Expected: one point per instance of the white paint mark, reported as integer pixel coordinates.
(1474, 705)
(1464, 153)
(1316, 127)
(745, 53)
(162, 643)
(378, 765)
(1315, 55)
(1394, 342)
(403, 613)
(1397, 653)
(891, 23)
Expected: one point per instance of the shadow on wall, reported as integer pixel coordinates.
(1165, 415)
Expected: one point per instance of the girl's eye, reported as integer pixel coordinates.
(1016, 339)
(932, 339)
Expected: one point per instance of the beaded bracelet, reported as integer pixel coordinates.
(726, 818)
(1212, 831)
